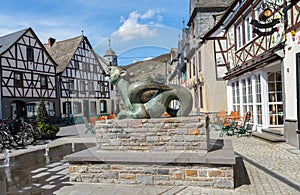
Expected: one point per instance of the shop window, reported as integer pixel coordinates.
(77, 107)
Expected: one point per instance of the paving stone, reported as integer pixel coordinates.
(55, 164)
(38, 170)
(58, 168)
(40, 175)
(48, 187)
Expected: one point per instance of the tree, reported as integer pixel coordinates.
(42, 114)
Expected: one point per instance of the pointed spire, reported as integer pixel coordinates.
(183, 23)
(109, 43)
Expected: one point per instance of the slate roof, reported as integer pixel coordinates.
(63, 51)
(110, 52)
(213, 3)
(104, 63)
(8, 40)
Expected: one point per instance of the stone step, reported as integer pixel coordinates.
(273, 131)
(269, 137)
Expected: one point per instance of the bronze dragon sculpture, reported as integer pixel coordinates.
(145, 99)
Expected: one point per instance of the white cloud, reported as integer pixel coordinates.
(138, 25)
(149, 14)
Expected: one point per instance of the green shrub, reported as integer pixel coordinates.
(48, 131)
(42, 114)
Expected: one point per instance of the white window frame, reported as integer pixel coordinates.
(239, 36)
(248, 29)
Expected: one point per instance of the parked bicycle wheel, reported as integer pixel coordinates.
(28, 136)
(5, 140)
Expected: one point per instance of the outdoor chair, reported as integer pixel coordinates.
(245, 128)
(225, 123)
(89, 127)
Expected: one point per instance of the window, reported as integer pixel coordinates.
(194, 66)
(235, 96)
(18, 79)
(201, 96)
(248, 29)
(111, 87)
(31, 110)
(71, 86)
(190, 69)
(29, 54)
(91, 87)
(93, 107)
(44, 82)
(67, 108)
(199, 61)
(82, 86)
(103, 106)
(239, 36)
(258, 99)
(76, 65)
(86, 67)
(77, 107)
(250, 96)
(247, 95)
(95, 68)
(244, 95)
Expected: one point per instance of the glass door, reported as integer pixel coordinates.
(276, 116)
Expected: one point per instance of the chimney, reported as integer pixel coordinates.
(51, 41)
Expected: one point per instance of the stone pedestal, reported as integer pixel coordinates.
(166, 151)
(147, 135)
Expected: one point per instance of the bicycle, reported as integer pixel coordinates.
(5, 138)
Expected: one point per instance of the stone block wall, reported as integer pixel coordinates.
(215, 176)
(164, 151)
(163, 134)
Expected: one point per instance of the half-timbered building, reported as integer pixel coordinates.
(84, 93)
(28, 74)
(195, 66)
(251, 55)
(115, 98)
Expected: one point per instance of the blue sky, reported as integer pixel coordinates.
(138, 29)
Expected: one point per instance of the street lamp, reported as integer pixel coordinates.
(264, 18)
(265, 14)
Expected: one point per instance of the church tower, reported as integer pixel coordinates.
(111, 56)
